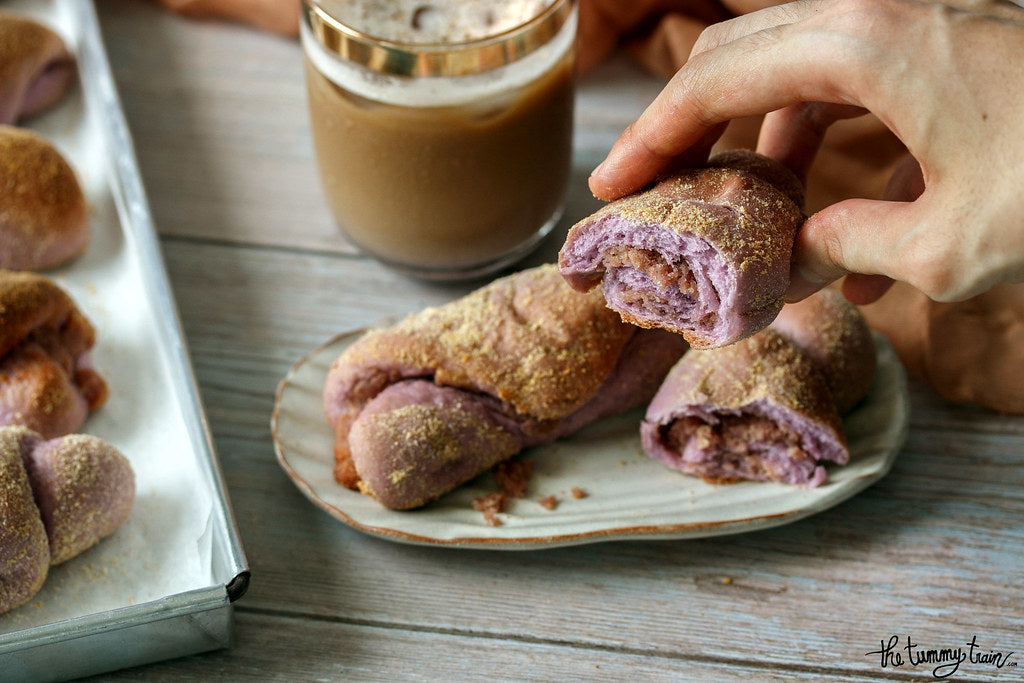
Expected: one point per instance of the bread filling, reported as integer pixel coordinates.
(739, 447)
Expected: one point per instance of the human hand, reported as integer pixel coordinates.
(944, 78)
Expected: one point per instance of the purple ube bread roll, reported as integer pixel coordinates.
(24, 550)
(84, 488)
(35, 67)
(834, 333)
(445, 394)
(758, 409)
(705, 253)
(57, 498)
(46, 379)
(44, 216)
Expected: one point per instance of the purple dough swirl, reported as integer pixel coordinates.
(705, 253)
(759, 409)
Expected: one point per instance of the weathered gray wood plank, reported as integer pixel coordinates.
(328, 650)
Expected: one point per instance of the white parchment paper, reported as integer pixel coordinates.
(164, 548)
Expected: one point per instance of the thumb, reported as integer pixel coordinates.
(852, 236)
(906, 184)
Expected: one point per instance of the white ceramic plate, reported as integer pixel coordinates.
(628, 495)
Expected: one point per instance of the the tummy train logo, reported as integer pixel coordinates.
(942, 661)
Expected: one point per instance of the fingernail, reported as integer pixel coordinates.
(598, 184)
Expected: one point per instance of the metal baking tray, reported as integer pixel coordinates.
(163, 584)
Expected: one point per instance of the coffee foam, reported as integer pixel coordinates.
(433, 21)
(447, 21)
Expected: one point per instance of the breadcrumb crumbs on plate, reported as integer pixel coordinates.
(549, 502)
(577, 492)
(513, 476)
(490, 505)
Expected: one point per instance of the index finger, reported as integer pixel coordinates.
(772, 66)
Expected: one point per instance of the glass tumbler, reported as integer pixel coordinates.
(442, 129)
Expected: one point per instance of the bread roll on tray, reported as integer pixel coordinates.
(46, 380)
(445, 394)
(44, 216)
(35, 67)
(58, 497)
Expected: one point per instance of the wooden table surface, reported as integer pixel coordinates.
(933, 553)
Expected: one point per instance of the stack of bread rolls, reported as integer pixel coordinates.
(60, 492)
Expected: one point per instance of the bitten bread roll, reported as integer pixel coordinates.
(834, 333)
(46, 382)
(44, 217)
(758, 409)
(61, 496)
(705, 253)
(35, 67)
(445, 394)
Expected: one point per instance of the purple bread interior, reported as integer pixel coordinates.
(704, 253)
(659, 301)
(762, 441)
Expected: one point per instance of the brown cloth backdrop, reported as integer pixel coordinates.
(970, 351)
(278, 16)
